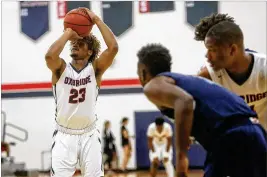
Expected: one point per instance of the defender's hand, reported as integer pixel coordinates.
(73, 35)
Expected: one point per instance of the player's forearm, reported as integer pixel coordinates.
(183, 125)
(150, 146)
(169, 143)
(107, 34)
(57, 47)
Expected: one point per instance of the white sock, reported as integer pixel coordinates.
(169, 169)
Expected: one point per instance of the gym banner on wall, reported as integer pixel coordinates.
(195, 10)
(34, 18)
(63, 7)
(155, 6)
(114, 10)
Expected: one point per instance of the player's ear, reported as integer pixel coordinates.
(233, 49)
(90, 52)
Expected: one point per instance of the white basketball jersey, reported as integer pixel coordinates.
(159, 138)
(75, 96)
(253, 90)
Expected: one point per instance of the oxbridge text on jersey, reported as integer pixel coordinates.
(73, 82)
(254, 97)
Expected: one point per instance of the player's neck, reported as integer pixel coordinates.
(240, 64)
(79, 64)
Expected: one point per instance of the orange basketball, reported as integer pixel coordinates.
(79, 21)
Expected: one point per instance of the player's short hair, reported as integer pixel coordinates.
(226, 33)
(206, 23)
(156, 57)
(93, 44)
(159, 121)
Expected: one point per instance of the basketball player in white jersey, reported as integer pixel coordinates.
(244, 72)
(159, 135)
(75, 87)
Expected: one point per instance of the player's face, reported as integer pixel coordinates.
(159, 128)
(218, 56)
(79, 50)
(141, 72)
(107, 125)
(126, 122)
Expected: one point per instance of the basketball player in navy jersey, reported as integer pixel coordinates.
(217, 118)
(75, 88)
(229, 64)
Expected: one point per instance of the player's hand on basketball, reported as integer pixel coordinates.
(73, 35)
(182, 164)
(91, 14)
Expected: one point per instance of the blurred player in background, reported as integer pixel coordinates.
(125, 143)
(159, 137)
(75, 88)
(244, 72)
(217, 118)
(109, 146)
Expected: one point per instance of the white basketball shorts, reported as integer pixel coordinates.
(69, 149)
(160, 152)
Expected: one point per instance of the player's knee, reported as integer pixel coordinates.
(128, 154)
(155, 162)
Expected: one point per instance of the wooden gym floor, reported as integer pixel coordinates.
(193, 173)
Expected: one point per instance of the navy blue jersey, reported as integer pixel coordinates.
(213, 105)
(249, 50)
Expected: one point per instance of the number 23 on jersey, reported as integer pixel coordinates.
(77, 95)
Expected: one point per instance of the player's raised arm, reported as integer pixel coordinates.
(106, 58)
(162, 92)
(53, 61)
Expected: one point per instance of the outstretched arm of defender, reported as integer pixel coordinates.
(162, 92)
(106, 58)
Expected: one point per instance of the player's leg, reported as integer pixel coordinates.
(227, 155)
(64, 154)
(241, 151)
(91, 155)
(109, 160)
(154, 160)
(167, 162)
(247, 149)
(106, 160)
(115, 161)
(257, 151)
(126, 155)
